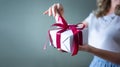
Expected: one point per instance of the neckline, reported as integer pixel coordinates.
(109, 15)
(107, 20)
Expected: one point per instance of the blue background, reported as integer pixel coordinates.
(23, 31)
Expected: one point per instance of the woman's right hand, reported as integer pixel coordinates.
(55, 10)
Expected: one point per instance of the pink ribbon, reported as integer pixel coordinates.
(77, 35)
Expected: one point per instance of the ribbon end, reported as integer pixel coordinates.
(44, 48)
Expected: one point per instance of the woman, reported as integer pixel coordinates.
(104, 32)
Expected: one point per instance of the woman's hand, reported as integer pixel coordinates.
(85, 47)
(55, 10)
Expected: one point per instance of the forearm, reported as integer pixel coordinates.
(108, 55)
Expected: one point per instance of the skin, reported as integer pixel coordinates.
(57, 10)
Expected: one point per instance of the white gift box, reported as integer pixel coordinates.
(66, 39)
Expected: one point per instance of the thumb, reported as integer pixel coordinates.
(83, 47)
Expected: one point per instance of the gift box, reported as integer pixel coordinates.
(66, 37)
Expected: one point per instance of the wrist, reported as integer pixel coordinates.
(85, 47)
(89, 48)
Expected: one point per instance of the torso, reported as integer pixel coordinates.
(104, 32)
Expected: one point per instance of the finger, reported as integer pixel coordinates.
(50, 11)
(46, 12)
(80, 47)
(54, 8)
(60, 8)
(61, 50)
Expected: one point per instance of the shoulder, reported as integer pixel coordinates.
(92, 14)
(90, 17)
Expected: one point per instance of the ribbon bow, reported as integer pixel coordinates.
(77, 35)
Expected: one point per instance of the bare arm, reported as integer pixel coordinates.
(108, 55)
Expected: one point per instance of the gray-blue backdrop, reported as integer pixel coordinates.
(23, 31)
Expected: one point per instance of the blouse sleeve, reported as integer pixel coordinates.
(89, 18)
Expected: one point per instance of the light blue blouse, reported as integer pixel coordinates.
(104, 32)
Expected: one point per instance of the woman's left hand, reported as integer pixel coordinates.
(85, 47)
